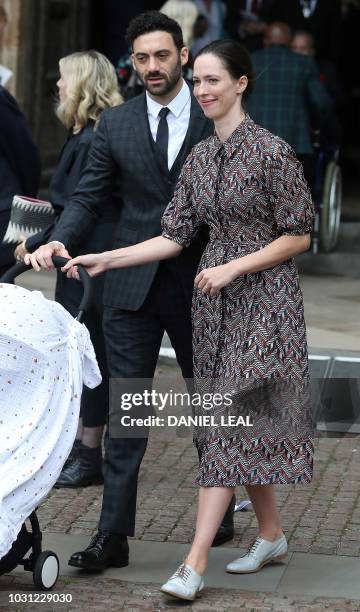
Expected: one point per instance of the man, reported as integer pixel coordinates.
(303, 43)
(330, 126)
(285, 85)
(319, 17)
(143, 146)
(19, 167)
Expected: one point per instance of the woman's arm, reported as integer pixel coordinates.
(276, 252)
(151, 250)
(212, 280)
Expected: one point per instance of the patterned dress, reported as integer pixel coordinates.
(249, 341)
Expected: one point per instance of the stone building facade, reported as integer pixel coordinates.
(37, 34)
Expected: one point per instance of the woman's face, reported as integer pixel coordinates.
(61, 85)
(214, 88)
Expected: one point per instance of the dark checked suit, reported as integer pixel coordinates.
(140, 302)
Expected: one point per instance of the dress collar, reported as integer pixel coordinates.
(235, 139)
(176, 105)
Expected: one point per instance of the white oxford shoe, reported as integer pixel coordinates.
(259, 554)
(184, 584)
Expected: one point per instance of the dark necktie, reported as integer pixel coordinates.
(162, 134)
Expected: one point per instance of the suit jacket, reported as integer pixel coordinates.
(324, 23)
(71, 163)
(19, 164)
(285, 84)
(122, 151)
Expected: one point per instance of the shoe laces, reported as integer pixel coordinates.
(253, 547)
(183, 573)
(99, 540)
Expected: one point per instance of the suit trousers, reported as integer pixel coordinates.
(133, 341)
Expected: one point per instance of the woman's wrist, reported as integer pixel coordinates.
(108, 259)
(236, 268)
(112, 258)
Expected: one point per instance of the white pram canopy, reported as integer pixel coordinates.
(45, 358)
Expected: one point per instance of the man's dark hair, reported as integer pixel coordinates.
(153, 21)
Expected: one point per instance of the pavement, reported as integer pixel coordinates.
(321, 520)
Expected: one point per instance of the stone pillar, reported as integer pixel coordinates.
(37, 34)
(15, 50)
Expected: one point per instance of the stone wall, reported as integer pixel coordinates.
(15, 44)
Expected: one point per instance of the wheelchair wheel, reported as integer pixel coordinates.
(331, 207)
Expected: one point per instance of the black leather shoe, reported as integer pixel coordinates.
(74, 453)
(106, 549)
(84, 471)
(226, 529)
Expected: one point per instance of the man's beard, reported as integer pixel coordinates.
(168, 83)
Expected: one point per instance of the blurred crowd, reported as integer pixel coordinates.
(319, 29)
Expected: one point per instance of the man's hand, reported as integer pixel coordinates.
(94, 265)
(42, 257)
(20, 251)
(211, 280)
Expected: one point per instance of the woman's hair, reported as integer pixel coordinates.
(91, 86)
(235, 59)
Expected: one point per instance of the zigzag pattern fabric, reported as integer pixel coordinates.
(28, 217)
(249, 341)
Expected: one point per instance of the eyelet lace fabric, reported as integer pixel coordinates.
(45, 358)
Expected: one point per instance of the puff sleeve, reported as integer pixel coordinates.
(293, 206)
(179, 222)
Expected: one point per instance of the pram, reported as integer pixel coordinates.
(44, 565)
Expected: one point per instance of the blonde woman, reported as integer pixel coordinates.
(87, 86)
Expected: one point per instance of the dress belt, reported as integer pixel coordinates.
(236, 243)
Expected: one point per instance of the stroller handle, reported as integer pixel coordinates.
(58, 262)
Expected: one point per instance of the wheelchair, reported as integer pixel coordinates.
(327, 195)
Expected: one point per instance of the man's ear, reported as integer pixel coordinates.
(133, 60)
(184, 56)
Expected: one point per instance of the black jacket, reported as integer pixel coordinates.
(71, 163)
(123, 151)
(19, 164)
(323, 24)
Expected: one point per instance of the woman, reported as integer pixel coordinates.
(87, 86)
(248, 321)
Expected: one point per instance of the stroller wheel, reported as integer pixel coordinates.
(46, 570)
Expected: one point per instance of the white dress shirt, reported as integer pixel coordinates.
(178, 120)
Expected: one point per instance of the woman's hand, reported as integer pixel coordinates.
(94, 264)
(20, 251)
(211, 280)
